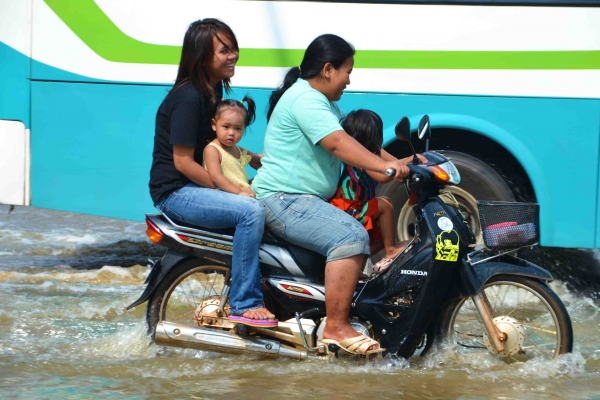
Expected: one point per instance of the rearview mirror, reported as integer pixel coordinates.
(403, 130)
(424, 128)
(403, 133)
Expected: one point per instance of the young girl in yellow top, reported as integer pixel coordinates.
(223, 159)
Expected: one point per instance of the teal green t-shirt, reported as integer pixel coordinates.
(293, 160)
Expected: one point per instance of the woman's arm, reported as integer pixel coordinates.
(347, 149)
(183, 157)
(379, 177)
(387, 156)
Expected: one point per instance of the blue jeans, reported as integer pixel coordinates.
(212, 208)
(309, 221)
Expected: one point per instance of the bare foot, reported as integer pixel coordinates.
(258, 313)
(396, 249)
(390, 256)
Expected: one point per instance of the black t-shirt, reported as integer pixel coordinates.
(182, 119)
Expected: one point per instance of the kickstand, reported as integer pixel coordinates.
(319, 349)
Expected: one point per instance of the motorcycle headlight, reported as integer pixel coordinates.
(446, 172)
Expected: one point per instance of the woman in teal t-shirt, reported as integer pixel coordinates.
(304, 147)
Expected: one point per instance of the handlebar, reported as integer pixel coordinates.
(414, 175)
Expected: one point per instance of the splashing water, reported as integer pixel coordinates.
(65, 333)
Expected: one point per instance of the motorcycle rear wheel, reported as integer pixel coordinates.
(178, 297)
(529, 303)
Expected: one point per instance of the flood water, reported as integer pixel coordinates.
(65, 280)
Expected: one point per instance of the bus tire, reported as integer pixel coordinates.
(479, 181)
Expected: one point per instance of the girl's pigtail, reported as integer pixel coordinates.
(290, 78)
(251, 109)
(214, 105)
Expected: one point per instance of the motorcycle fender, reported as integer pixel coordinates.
(473, 277)
(160, 269)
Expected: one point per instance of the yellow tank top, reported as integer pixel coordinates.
(233, 168)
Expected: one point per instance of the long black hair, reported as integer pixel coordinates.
(217, 104)
(324, 49)
(198, 49)
(366, 127)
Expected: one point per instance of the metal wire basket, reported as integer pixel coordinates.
(508, 225)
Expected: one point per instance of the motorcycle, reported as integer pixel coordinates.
(442, 288)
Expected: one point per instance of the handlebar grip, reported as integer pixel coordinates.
(390, 172)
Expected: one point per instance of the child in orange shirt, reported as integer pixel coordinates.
(356, 191)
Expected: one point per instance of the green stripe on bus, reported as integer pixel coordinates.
(101, 35)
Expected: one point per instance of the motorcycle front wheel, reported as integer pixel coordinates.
(191, 294)
(534, 319)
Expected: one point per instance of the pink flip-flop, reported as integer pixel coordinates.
(257, 323)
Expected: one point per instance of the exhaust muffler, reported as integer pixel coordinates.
(170, 334)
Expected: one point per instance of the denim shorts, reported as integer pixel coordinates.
(309, 221)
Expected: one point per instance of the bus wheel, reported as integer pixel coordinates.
(479, 181)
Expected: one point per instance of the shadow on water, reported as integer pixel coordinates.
(122, 253)
(578, 268)
(37, 237)
(46, 238)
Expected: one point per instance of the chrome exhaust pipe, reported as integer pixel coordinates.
(169, 334)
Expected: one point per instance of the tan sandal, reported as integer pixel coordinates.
(358, 345)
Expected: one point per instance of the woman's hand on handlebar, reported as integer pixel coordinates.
(400, 167)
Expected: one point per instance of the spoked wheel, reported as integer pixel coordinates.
(533, 319)
(192, 294)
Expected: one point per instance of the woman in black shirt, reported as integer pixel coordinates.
(181, 188)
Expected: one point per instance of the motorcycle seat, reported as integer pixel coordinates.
(268, 237)
(310, 262)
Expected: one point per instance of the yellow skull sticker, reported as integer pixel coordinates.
(446, 246)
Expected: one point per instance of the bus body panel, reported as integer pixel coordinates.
(103, 168)
(87, 78)
(15, 61)
(14, 96)
(405, 48)
(597, 233)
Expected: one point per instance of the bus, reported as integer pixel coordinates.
(512, 89)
